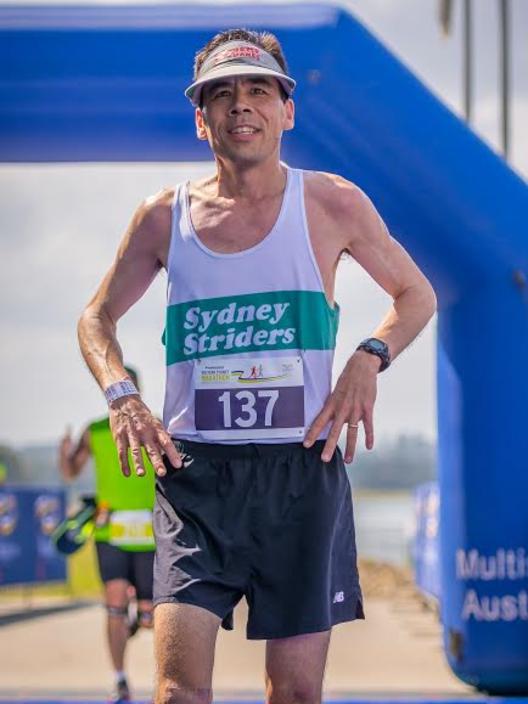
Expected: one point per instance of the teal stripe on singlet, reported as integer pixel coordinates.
(276, 320)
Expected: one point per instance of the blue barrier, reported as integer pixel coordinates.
(28, 517)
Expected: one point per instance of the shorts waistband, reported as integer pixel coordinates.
(248, 450)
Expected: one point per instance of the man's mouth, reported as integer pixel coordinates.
(244, 129)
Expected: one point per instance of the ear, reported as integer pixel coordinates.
(200, 122)
(289, 115)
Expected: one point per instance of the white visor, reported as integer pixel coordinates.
(238, 59)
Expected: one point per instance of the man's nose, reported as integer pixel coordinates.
(238, 104)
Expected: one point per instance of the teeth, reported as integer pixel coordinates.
(243, 130)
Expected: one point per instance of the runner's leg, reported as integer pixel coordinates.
(145, 613)
(143, 563)
(295, 668)
(184, 643)
(117, 620)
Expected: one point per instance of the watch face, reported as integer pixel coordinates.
(377, 345)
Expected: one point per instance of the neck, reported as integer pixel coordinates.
(253, 182)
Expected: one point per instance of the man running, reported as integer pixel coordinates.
(123, 534)
(252, 494)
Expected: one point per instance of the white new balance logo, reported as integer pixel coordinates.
(339, 597)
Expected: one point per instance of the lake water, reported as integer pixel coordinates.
(384, 525)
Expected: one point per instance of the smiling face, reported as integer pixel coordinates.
(243, 118)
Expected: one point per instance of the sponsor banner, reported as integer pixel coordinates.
(259, 322)
(426, 542)
(28, 517)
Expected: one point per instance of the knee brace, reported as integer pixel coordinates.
(117, 611)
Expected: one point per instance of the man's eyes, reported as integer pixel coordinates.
(225, 93)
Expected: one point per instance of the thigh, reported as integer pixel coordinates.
(184, 643)
(114, 563)
(304, 575)
(295, 668)
(142, 574)
(199, 523)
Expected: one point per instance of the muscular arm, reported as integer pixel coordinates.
(352, 224)
(140, 256)
(388, 263)
(135, 266)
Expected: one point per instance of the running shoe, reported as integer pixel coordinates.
(122, 692)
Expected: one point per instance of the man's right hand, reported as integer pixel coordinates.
(66, 444)
(133, 427)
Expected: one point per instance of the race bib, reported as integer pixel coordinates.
(249, 399)
(131, 528)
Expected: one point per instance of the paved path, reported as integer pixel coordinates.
(397, 651)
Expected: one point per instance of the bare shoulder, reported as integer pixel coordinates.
(336, 206)
(150, 227)
(337, 195)
(336, 209)
(154, 212)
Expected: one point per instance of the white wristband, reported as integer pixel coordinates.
(120, 389)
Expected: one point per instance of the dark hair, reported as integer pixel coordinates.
(264, 40)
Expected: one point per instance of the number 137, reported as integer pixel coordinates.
(249, 399)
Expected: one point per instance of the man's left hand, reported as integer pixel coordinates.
(351, 402)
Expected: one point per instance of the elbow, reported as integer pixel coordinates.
(83, 325)
(424, 301)
(427, 297)
(85, 319)
(93, 316)
(433, 301)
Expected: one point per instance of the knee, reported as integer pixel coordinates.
(292, 693)
(116, 612)
(116, 602)
(170, 692)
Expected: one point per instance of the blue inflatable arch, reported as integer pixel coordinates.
(104, 83)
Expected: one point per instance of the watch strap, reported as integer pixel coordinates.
(381, 352)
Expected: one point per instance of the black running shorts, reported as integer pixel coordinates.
(135, 567)
(273, 523)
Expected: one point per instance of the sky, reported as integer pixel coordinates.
(60, 226)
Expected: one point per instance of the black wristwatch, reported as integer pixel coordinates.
(375, 346)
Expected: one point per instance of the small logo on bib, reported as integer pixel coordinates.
(339, 597)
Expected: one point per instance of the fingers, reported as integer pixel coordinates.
(122, 454)
(155, 443)
(352, 433)
(319, 423)
(368, 424)
(168, 447)
(351, 401)
(156, 459)
(135, 451)
(332, 439)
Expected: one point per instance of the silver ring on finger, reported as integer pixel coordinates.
(353, 425)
